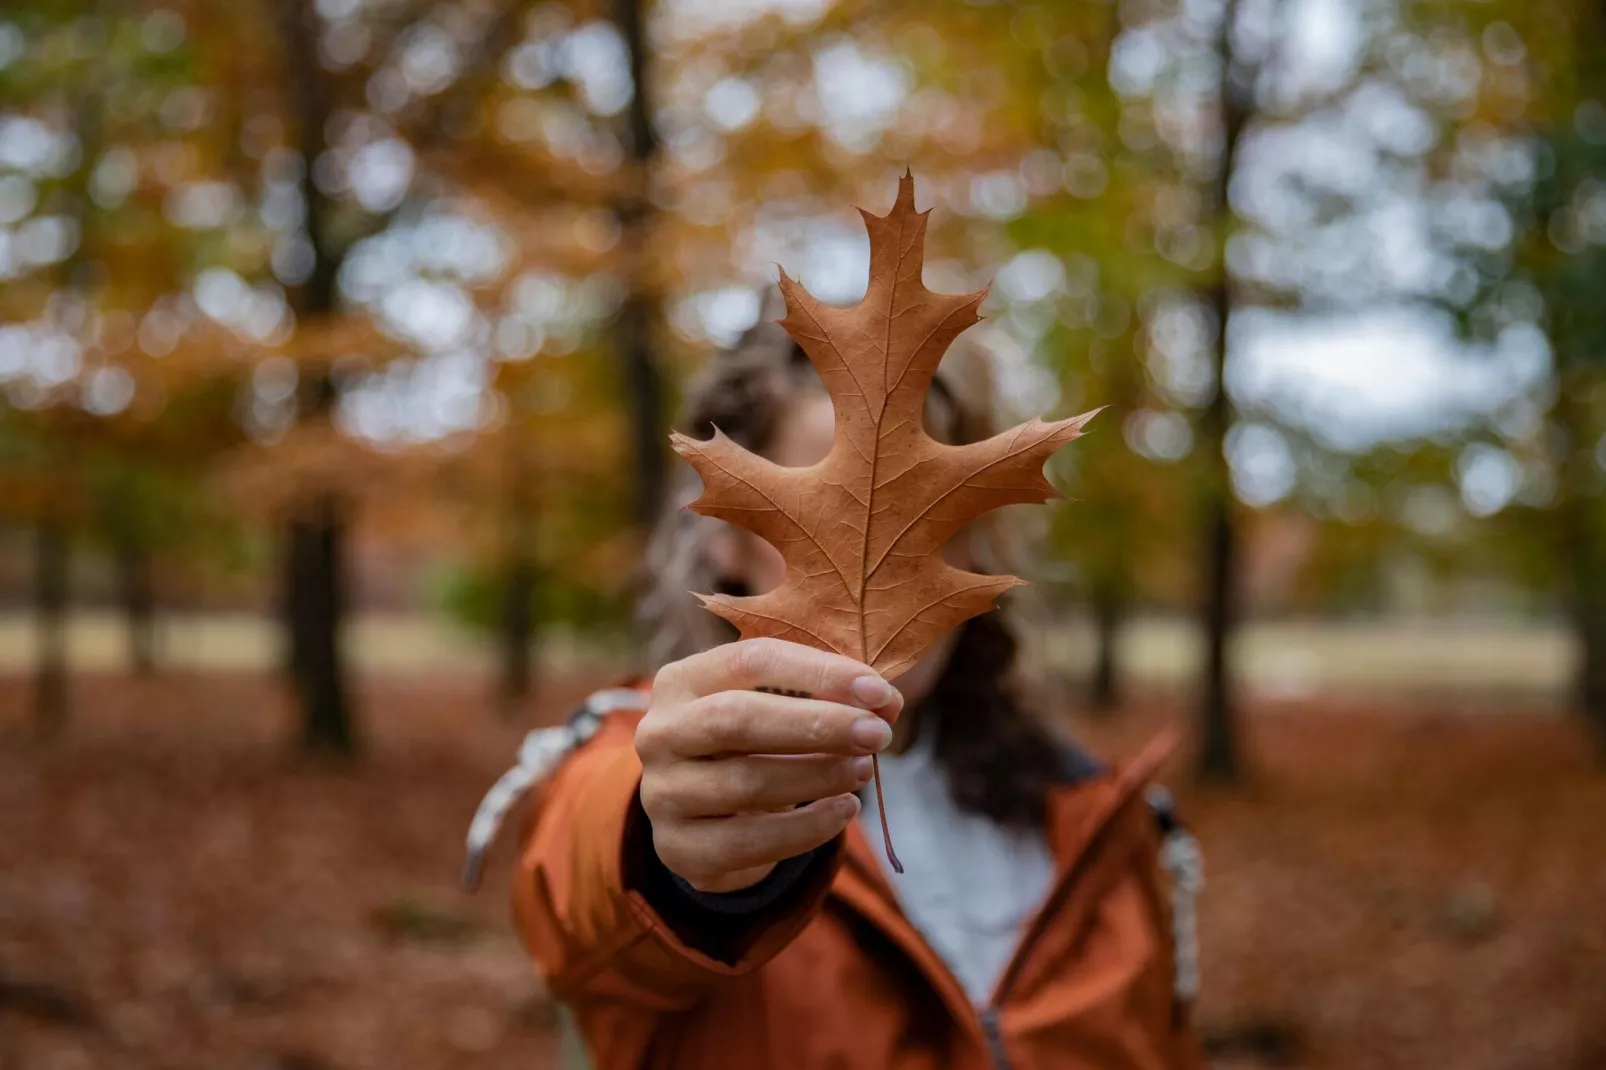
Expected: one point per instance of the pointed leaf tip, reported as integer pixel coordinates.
(905, 200)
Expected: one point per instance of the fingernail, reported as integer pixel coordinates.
(846, 805)
(864, 769)
(872, 734)
(873, 691)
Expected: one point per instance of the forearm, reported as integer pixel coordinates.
(601, 915)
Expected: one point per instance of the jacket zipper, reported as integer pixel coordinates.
(989, 1018)
(991, 1026)
(994, 1032)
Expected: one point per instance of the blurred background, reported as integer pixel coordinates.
(339, 342)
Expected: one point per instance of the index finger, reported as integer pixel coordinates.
(778, 665)
(743, 723)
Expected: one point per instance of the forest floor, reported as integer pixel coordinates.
(1409, 887)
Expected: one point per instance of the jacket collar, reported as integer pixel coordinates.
(1080, 811)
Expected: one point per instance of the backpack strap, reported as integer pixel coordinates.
(1077, 764)
(1180, 858)
(541, 752)
(1183, 863)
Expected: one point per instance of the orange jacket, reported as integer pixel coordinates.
(836, 976)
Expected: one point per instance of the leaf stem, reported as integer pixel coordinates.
(881, 808)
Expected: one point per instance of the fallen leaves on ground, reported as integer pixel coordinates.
(1413, 887)
(1405, 888)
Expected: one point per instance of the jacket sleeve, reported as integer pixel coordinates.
(582, 906)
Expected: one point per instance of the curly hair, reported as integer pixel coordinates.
(999, 758)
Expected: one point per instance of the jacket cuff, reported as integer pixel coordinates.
(725, 926)
(760, 897)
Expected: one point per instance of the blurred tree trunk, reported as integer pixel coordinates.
(1589, 627)
(1572, 283)
(316, 613)
(50, 623)
(520, 576)
(314, 587)
(518, 633)
(315, 538)
(1580, 544)
(1109, 614)
(137, 591)
(1578, 357)
(1219, 757)
(1218, 752)
(290, 649)
(634, 326)
(317, 541)
(52, 542)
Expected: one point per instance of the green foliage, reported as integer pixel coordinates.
(474, 596)
(1108, 200)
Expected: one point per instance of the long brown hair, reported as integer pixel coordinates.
(999, 759)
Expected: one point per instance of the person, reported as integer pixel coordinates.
(698, 885)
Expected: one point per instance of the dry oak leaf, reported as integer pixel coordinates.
(863, 530)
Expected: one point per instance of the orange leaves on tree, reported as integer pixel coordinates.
(863, 530)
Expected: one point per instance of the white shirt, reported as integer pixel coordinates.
(969, 885)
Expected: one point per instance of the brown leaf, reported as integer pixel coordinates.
(863, 531)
